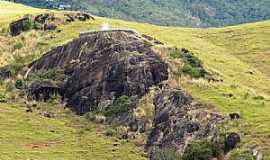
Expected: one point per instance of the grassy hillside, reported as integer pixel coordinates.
(8, 11)
(33, 136)
(239, 55)
(194, 13)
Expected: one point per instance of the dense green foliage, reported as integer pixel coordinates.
(193, 66)
(120, 105)
(195, 13)
(199, 151)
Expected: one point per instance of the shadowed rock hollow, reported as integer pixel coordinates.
(104, 65)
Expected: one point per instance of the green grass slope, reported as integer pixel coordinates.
(10, 11)
(238, 54)
(66, 137)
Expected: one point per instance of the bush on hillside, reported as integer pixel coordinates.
(202, 150)
(192, 65)
(241, 154)
(120, 105)
(51, 75)
(167, 154)
(18, 45)
(19, 84)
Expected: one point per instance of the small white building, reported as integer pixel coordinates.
(105, 26)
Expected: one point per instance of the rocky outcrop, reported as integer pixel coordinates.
(5, 74)
(49, 27)
(104, 65)
(231, 141)
(19, 26)
(82, 16)
(43, 18)
(179, 120)
(44, 91)
(45, 21)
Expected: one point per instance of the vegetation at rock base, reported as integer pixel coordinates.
(52, 74)
(167, 154)
(120, 105)
(201, 150)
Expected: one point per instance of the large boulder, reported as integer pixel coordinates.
(5, 74)
(50, 26)
(44, 91)
(105, 65)
(43, 18)
(19, 26)
(179, 120)
(231, 141)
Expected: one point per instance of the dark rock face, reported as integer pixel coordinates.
(5, 74)
(234, 116)
(43, 92)
(70, 17)
(42, 18)
(19, 26)
(105, 65)
(231, 141)
(49, 26)
(179, 120)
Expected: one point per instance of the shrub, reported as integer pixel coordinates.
(19, 84)
(2, 97)
(4, 30)
(18, 45)
(29, 24)
(120, 105)
(37, 26)
(167, 154)
(10, 87)
(238, 154)
(192, 65)
(90, 116)
(110, 132)
(52, 74)
(199, 151)
(193, 72)
(19, 62)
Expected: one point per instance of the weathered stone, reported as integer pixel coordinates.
(82, 16)
(5, 74)
(69, 18)
(44, 91)
(49, 115)
(19, 26)
(43, 18)
(231, 141)
(256, 152)
(49, 26)
(134, 126)
(178, 120)
(234, 116)
(105, 65)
